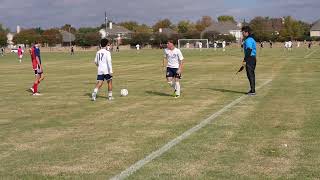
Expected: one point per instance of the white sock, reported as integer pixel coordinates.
(109, 93)
(177, 88)
(95, 91)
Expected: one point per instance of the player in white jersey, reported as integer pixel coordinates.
(174, 60)
(104, 64)
(200, 45)
(290, 45)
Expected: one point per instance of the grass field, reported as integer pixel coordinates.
(64, 135)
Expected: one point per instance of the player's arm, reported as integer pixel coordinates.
(109, 63)
(38, 62)
(181, 59)
(164, 60)
(247, 51)
(180, 67)
(96, 60)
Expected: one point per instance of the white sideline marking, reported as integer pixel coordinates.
(308, 55)
(136, 166)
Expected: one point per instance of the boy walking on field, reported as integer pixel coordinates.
(104, 64)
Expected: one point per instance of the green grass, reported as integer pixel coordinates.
(62, 134)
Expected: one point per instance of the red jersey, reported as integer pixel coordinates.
(33, 58)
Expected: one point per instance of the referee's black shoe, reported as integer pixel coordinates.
(251, 93)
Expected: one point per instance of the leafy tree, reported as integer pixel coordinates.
(165, 23)
(87, 39)
(204, 22)
(185, 26)
(3, 39)
(69, 28)
(130, 25)
(226, 18)
(140, 38)
(51, 36)
(211, 35)
(3, 29)
(262, 28)
(88, 29)
(27, 36)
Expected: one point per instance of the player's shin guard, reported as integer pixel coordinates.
(177, 88)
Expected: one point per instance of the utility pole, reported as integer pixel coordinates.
(105, 20)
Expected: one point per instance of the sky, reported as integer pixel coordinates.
(90, 13)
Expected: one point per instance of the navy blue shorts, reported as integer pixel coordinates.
(172, 72)
(103, 77)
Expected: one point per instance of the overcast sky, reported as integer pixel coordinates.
(80, 13)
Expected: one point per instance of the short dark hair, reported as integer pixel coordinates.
(170, 41)
(104, 42)
(246, 29)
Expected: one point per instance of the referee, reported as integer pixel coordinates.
(250, 60)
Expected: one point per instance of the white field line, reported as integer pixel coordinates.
(308, 55)
(136, 166)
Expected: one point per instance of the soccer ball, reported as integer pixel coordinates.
(124, 92)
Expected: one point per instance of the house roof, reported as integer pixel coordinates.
(222, 27)
(67, 37)
(117, 30)
(316, 26)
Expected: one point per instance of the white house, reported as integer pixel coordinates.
(315, 29)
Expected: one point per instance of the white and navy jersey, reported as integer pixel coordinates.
(174, 57)
(103, 61)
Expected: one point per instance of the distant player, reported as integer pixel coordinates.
(224, 45)
(138, 47)
(298, 44)
(37, 67)
(2, 51)
(309, 44)
(104, 64)
(270, 43)
(200, 46)
(215, 44)
(20, 54)
(72, 50)
(173, 60)
(290, 45)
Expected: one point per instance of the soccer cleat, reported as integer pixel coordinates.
(32, 90)
(174, 93)
(176, 96)
(110, 98)
(36, 94)
(93, 96)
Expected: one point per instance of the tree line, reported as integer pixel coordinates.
(264, 29)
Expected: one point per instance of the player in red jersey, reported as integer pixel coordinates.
(37, 67)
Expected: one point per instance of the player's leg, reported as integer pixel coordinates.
(169, 77)
(36, 84)
(109, 81)
(177, 85)
(100, 79)
(250, 68)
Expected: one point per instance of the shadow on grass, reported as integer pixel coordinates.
(157, 93)
(226, 90)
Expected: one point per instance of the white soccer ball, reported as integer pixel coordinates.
(124, 92)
